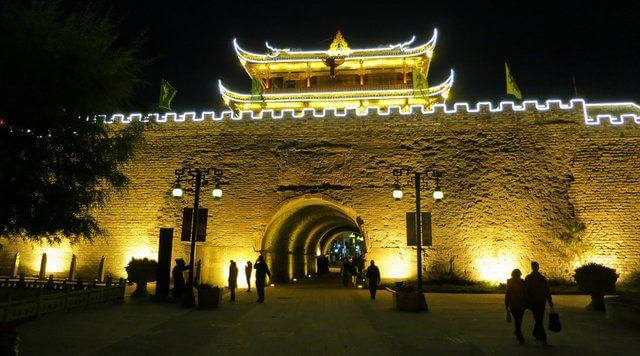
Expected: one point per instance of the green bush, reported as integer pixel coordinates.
(142, 270)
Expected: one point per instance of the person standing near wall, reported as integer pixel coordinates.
(373, 275)
(537, 294)
(233, 280)
(262, 271)
(248, 269)
(178, 278)
(515, 301)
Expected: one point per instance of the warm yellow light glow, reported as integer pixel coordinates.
(496, 268)
(58, 260)
(396, 267)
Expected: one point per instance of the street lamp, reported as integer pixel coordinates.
(197, 179)
(177, 190)
(217, 192)
(397, 190)
(438, 195)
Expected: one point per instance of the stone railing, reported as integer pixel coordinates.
(55, 297)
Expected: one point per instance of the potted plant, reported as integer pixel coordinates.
(208, 296)
(597, 280)
(408, 298)
(141, 271)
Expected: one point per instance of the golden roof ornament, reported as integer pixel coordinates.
(339, 46)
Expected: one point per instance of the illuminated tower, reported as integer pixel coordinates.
(339, 77)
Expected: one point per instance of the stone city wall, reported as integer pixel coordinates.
(513, 181)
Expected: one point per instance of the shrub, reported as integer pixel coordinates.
(142, 270)
(597, 280)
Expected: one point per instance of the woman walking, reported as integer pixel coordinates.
(514, 300)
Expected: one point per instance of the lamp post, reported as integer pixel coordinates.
(197, 178)
(438, 195)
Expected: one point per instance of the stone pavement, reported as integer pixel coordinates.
(321, 319)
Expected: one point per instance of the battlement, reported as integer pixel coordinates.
(593, 113)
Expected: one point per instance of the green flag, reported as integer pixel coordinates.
(167, 93)
(512, 87)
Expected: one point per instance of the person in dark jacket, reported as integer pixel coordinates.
(262, 271)
(248, 269)
(537, 294)
(373, 275)
(178, 278)
(346, 277)
(515, 301)
(233, 280)
(353, 273)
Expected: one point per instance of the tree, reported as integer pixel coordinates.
(59, 67)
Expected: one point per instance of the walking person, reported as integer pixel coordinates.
(233, 280)
(262, 271)
(515, 301)
(373, 275)
(248, 269)
(537, 294)
(353, 274)
(344, 271)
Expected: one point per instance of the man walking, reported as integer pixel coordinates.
(262, 271)
(373, 275)
(537, 292)
(248, 269)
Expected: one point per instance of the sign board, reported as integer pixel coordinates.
(426, 229)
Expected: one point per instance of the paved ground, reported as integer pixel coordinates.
(317, 320)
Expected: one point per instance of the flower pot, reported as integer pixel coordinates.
(597, 302)
(209, 297)
(141, 290)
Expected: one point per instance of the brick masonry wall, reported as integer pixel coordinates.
(512, 181)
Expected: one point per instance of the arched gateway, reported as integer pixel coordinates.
(302, 229)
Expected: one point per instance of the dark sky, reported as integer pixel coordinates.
(545, 45)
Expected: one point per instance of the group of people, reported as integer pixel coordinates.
(351, 270)
(262, 271)
(531, 293)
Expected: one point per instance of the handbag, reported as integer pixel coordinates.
(508, 315)
(554, 321)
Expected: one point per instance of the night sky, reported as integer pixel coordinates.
(545, 46)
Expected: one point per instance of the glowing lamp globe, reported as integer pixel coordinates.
(217, 192)
(397, 192)
(438, 194)
(177, 192)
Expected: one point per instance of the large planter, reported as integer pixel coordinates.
(141, 272)
(597, 280)
(409, 300)
(209, 297)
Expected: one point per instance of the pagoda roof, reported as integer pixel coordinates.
(439, 90)
(287, 55)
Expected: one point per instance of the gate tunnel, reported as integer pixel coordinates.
(301, 230)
